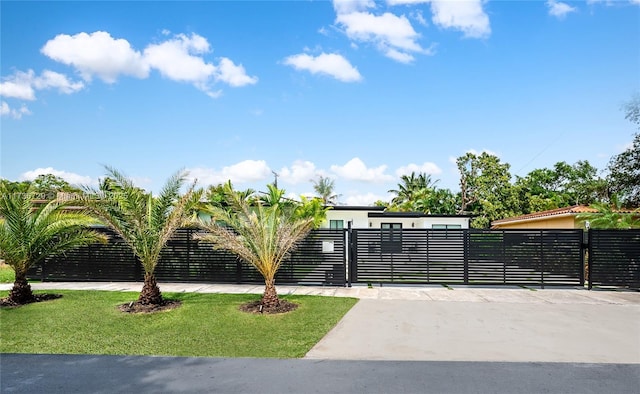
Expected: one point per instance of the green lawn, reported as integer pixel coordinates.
(88, 322)
(6, 274)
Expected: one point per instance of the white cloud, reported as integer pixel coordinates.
(356, 170)
(70, 177)
(177, 58)
(559, 9)
(417, 15)
(363, 199)
(349, 6)
(6, 110)
(426, 167)
(299, 172)
(51, 79)
(243, 172)
(330, 64)
(390, 33)
(467, 16)
(97, 54)
(22, 85)
(233, 75)
(18, 86)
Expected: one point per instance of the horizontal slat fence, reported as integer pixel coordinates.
(614, 258)
(319, 260)
(518, 257)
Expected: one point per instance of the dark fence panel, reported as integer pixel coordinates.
(614, 258)
(319, 259)
(525, 257)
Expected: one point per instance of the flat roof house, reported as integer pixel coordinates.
(339, 216)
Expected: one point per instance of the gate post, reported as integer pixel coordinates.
(465, 253)
(351, 266)
(589, 259)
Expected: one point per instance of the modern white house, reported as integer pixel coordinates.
(339, 216)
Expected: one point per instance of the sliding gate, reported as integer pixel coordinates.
(424, 256)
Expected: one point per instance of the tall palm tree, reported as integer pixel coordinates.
(29, 234)
(143, 221)
(411, 186)
(261, 235)
(325, 186)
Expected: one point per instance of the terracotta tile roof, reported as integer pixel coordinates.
(575, 209)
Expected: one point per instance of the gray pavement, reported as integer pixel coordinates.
(54, 374)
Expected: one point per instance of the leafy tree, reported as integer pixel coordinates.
(261, 235)
(143, 221)
(486, 189)
(325, 187)
(624, 174)
(561, 186)
(50, 185)
(632, 110)
(29, 234)
(611, 216)
(436, 202)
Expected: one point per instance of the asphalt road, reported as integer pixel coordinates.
(22, 373)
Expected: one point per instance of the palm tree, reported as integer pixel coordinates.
(261, 235)
(410, 187)
(29, 234)
(324, 186)
(143, 221)
(611, 216)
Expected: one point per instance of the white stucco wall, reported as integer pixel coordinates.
(358, 218)
(361, 219)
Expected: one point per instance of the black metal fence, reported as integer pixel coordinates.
(401, 256)
(614, 258)
(319, 260)
(518, 257)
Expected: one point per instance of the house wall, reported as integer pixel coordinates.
(359, 219)
(560, 222)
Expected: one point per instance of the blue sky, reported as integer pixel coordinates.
(359, 91)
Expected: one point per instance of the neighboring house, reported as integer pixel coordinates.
(561, 218)
(339, 216)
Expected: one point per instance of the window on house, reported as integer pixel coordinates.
(391, 237)
(445, 234)
(336, 224)
(446, 226)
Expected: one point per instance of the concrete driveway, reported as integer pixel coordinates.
(491, 325)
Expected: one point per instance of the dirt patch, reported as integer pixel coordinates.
(137, 307)
(6, 303)
(256, 307)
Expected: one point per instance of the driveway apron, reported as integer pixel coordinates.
(536, 331)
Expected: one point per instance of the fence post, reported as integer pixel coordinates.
(347, 253)
(542, 259)
(589, 259)
(352, 255)
(582, 252)
(465, 254)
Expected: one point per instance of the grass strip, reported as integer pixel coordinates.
(208, 325)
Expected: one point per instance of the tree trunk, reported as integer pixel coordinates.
(21, 292)
(270, 296)
(150, 294)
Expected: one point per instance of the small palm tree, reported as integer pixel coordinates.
(261, 235)
(143, 221)
(611, 216)
(325, 186)
(29, 234)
